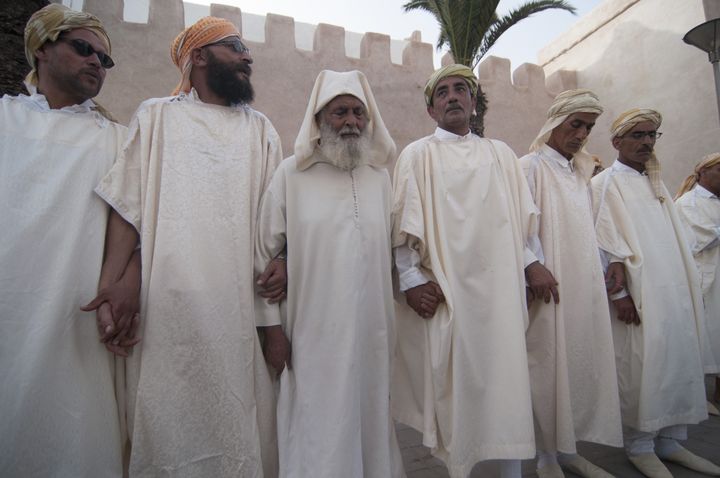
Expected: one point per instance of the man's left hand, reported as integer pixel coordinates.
(273, 281)
(542, 282)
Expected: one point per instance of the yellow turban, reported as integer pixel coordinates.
(205, 31)
(451, 70)
(707, 162)
(565, 104)
(46, 25)
(627, 121)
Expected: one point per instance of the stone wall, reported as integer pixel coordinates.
(631, 53)
(283, 74)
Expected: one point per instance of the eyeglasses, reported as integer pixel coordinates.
(235, 43)
(84, 49)
(639, 135)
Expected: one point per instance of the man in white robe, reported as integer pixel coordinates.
(189, 182)
(698, 205)
(463, 219)
(330, 204)
(59, 414)
(657, 320)
(570, 348)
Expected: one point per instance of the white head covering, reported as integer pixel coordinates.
(328, 85)
(565, 104)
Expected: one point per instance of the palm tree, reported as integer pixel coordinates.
(469, 28)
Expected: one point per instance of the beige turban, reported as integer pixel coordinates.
(707, 162)
(627, 121)
(205, 31)
(46, 24)
(565, 104)
(328, 85)
(451, 70)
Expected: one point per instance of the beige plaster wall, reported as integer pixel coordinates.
(631, 53)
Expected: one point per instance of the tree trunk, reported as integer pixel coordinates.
(477, 121)
(14, 14)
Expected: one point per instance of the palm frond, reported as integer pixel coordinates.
(501, 25)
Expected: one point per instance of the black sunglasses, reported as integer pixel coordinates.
(233, 43)
(83, 48)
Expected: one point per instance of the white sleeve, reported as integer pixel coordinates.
(407, 261)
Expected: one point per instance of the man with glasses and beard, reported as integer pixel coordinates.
(188, 184)
(658, 326)
(330, 203)
(60, 414)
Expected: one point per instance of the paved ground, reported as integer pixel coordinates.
(703, 439)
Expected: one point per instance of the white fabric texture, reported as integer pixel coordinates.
(190, 179)
(659, 365)
(700, 211)
(570, 348)
(60, 414)
(328, 85)
(333, 406)
(461, 378)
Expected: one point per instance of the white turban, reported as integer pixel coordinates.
(328, 85)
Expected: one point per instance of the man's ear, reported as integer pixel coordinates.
(616, 142)
(41, 53)
(198, 57)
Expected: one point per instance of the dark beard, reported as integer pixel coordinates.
(224, 82)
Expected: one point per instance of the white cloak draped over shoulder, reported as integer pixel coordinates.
(570, 348)
(190, 180)
(659, 366)
(700, 211)
(461, 378)
(59, 413)
(333, 408)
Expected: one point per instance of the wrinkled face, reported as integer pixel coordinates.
(570, 135)
(452, 105)
(346, 115)
(636, 146)
(229, 71)
(710, 179)
(60, 64)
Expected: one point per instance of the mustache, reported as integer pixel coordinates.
(646, 149)
(245, 68)
(347, 129)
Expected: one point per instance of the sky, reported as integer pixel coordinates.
(520, 44)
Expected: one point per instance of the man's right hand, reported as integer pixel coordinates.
(278, 351)
(626, 310)
(424, 299)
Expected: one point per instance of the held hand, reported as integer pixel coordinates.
(529, 296)
(541, 282)
(273, 281)
(124, 302)
(117, 341)
(424, 299)
(278, 351)
(626, 310)
(615, 278)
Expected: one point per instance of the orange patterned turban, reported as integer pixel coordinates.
(205, 31)
(48, 23)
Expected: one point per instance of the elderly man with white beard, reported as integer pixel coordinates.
(329, 204)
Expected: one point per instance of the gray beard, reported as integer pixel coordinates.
(344, 153)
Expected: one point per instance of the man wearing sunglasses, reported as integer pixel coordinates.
(658, 325)
(189, 182)
(59, 416)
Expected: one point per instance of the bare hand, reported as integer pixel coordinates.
(278, 350)
(626, 310)
(117, 340)
(273, 281)
(529, 296)
(424, 299)
(541, 282)
(615, 278)
(117, 318)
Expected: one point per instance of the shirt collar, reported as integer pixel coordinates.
(702, 192)
(619, 167)
(557, 158)
(445, 135)
(40, 102)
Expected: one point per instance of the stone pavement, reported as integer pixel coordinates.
(703, 439)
